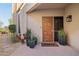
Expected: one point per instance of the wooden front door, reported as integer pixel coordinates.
(48, 29)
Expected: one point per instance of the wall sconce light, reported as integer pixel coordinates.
(69, 18)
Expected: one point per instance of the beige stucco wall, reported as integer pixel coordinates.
(14, 7)
(35, 20)
(15, 20)
(22, 16)
(72, 28)
(23, 21)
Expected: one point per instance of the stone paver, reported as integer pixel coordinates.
(6, 47)
(23, 50)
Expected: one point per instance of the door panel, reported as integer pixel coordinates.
(48, 28)
(58, 25)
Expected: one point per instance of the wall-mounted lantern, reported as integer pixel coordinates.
(69, 18)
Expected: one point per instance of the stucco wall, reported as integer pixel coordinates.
(72, 28)
(23, 21)
(15, 20)
(35, 20)
(23, 17)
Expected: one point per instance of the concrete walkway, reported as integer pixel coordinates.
(23, 50)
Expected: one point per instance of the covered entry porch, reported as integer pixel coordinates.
(45, 20)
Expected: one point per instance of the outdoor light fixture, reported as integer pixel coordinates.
(69, 18)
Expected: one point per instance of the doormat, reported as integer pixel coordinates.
(48, 44)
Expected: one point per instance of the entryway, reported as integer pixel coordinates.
(48, 29)
(58, 25)
(50, 26)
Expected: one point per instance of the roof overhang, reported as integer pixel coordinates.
(42, 6)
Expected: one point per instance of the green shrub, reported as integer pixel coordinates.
(12, 28)
(62, 37)
(28, 34)
(35, 39)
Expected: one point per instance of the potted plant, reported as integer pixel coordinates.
(35, 39)
(62, 37)
(31, 43)
(28, 34)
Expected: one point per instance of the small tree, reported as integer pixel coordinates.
(12, 29)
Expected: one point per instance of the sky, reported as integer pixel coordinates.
(5, 13)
